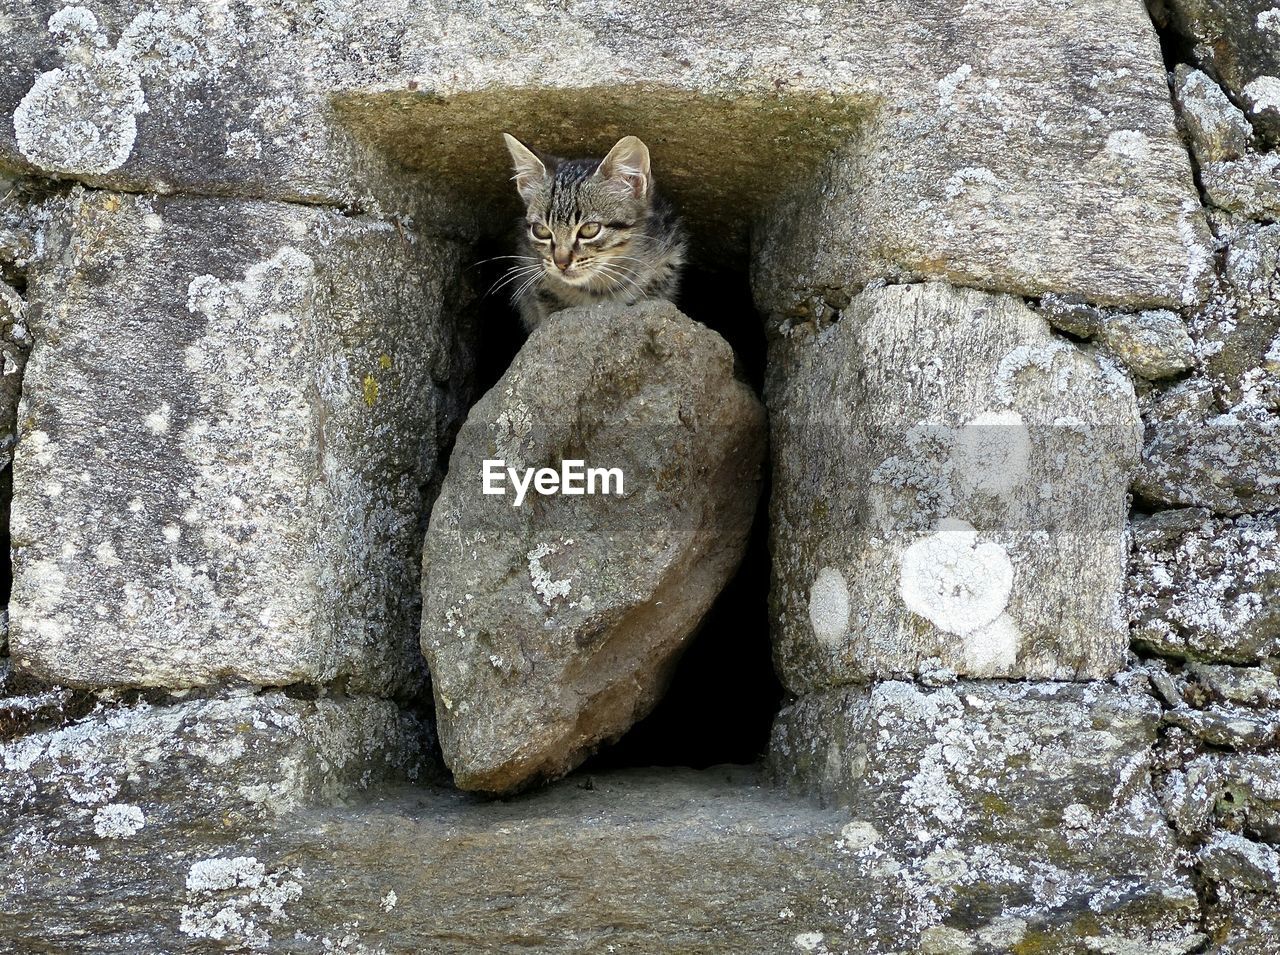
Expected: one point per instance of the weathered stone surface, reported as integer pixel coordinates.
(1152, 344)
(1240, 862)
(664, 862)
(1205, 587)
(1238, 41)
(1198, 455)
(360, 103)
(1217, 129)
(1072, 314)
(1237, 333)
(949, 484)
(26, 705)
(1235, 178)
(198, 763)
(550, 627)
(986, 801)
(1214, 439)
(956, 210)
(1248, 187)
(1233, 792)
(164, 97)
(226, 425)
(1228, 727)
(1252, 686)
(1242, 921)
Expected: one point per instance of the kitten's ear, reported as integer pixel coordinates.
(628, 165)
(531, 172)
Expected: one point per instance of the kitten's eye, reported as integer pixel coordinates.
(540, 231)
(589, 230)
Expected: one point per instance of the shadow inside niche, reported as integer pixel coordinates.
(721, 159)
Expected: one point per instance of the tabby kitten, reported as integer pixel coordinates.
(595, 230)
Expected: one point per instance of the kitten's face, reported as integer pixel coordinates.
(585, 218)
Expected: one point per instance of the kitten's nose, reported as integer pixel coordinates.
(562, 257)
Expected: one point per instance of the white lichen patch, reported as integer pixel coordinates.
(38, 446)
(992, 650)
(82, 117)
(962, 179)
(118, 820)
(1046, 359)
(105, 554)
(544, 585)
(959, 583)
(810, 942)
(858, 835)
(1263, 95)
(829, 607)
(237, 900)
(1269, 20)
(1129, 144)
(949, 84)
(157, 422)
(513, 430)
(944, 940)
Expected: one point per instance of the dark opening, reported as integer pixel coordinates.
(11, 246)
(724, 693)
(1175, 46)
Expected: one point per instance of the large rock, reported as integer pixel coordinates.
(1089, 191)
(1204, 587)
(972, 212)
(551, 626)
(949, 493)
(227, 421)
(983, 806)
(1151, 344)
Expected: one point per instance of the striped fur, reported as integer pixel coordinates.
(635, 252)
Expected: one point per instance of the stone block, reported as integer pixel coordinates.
(987, 805)
(949, 493)
(228, 418)
(1238, 41)
(203, 764)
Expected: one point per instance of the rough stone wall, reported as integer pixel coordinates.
(883, 398)
(1018, 266)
